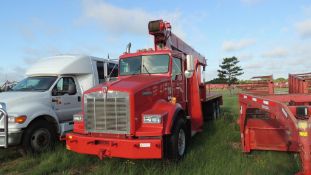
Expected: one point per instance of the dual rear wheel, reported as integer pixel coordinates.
(211, 110)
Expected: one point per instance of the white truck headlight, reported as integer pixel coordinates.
(152, 118)
(77, 117)
(20, 119)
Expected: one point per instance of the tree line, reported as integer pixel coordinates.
(229, 71)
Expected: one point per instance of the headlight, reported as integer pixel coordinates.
(18, 119)
(152, 118)
(302, 124)
(77, 117)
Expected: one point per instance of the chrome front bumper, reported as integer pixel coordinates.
(12, 138)
(8, 137)
(4, 133)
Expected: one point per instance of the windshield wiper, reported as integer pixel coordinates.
(136, 71)
(146, 69)
(39, 89)
(108, 77)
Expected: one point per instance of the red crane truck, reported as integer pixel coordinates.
(154, 107)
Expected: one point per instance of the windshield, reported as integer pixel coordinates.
(146, 64)
(35, 84)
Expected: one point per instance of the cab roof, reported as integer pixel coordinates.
(64, 64)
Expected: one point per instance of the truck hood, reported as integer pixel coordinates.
(15, 99)
(133, 83)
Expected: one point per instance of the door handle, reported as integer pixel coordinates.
(79, 98)
(54, 100)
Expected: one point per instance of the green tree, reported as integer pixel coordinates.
(281, 79)
(217, 81)
(229, 70)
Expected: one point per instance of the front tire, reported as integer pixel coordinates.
(39, 137)
(177, 141)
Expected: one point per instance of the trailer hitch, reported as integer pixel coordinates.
(103, 153)
(284, 118)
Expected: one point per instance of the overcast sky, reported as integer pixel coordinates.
(268, 36)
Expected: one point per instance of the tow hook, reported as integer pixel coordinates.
(103, 153)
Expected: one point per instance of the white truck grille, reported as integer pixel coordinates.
(107, 112)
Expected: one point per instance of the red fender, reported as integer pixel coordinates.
(168, 111)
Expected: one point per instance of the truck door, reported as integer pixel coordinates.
(178, 84)
(101, 71)
(66, 98)
(112, 70)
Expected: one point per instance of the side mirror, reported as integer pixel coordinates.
(54, 92)
(190, 66)
(72, 89)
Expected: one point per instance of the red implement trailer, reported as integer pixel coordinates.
(299, 83)
(259, 85)
(153, 108)
(277, 122)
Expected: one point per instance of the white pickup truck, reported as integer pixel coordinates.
(40, 108)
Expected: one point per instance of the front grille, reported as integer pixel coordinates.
(107, 112)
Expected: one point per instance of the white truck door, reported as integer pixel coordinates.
(101, 71)
(112, 70)
(66, 98)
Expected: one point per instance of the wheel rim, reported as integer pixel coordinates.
(214, 111)
(181, 142)
(215, 114)
(40, 139)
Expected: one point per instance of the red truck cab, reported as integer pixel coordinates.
(151, 110)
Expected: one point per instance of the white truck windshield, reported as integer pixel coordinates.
(35, 84)
(146, 64)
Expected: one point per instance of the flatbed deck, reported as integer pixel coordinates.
(212, 96)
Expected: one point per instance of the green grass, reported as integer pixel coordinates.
(214, 151)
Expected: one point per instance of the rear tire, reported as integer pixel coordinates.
(177, 141)
(39, 137)
(214, 107)
(217, 109)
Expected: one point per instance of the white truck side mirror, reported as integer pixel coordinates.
(190, 66)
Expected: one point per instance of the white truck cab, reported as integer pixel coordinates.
(41, 107)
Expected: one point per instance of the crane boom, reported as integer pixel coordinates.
(164, 38)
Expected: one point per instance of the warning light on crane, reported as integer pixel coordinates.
(158, 26)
